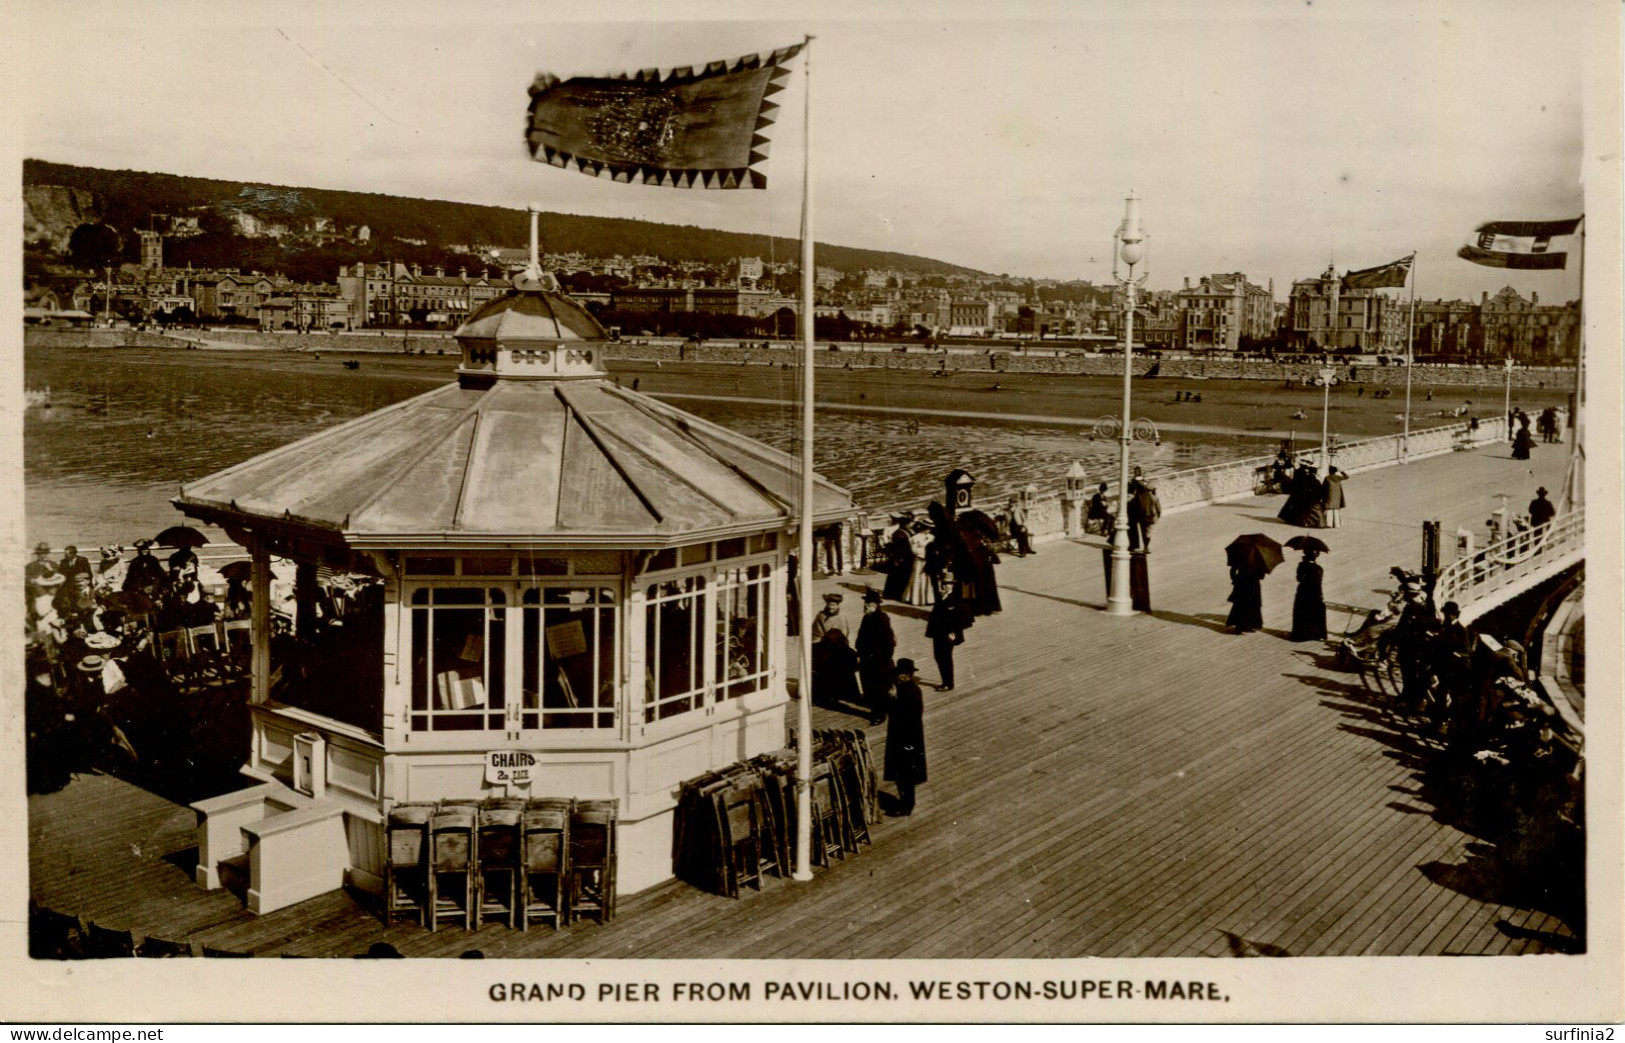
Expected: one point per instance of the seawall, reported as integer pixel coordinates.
(843, 356)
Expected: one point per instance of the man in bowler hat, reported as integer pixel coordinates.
(875, 645)
(905, 738)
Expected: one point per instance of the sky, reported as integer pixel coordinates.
(1266, 137)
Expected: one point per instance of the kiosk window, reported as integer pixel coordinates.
(568, 678)
(458, 645)
(741, 630)
(674, 648)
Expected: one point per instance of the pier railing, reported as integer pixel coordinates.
(1507, 567)
(1053, 513)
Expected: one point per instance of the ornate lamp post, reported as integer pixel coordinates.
(1506, 404)
(1325, 377)
(1129, 246)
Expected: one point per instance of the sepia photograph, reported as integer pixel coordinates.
(940, 512)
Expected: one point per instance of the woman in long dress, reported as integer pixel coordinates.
(1246, 601)
(921, 586)
(900, 563)
(1522, 444)
(1309, 605)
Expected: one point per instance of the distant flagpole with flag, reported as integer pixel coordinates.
(704, 127)
(1526, 246)
(1385, 276)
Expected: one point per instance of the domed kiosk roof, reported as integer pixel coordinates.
(542, 313)
(532, 445)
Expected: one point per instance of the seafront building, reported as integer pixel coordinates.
(1369, 322)
(1225, 312)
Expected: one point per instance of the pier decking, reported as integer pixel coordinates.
(1149, 786)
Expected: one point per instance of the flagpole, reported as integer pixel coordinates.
(1331, 348)
(1410, 360)
(1574, 488)
(804, 766)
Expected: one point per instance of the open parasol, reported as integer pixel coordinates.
(1255, 553)
(180, 536)
(238, 570)
(1313, 543)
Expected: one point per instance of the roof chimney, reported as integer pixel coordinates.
(1187, 282)
(1534, 298)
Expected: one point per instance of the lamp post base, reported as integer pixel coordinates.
(1119, 597)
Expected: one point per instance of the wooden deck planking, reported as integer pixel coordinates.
(1047, 751)
(1126, 872)
(1211, 864)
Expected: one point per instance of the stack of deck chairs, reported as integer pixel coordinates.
(738, 824)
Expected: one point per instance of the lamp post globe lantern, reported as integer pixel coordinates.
(1325, 377)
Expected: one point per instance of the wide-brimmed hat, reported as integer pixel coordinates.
(42, 548)
(92, 664)
(50, 579)
(1541, 491)
(871, 596)
(832, 596)
(142, 544)
(905, 666)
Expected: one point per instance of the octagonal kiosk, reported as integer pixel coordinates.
(562, 588)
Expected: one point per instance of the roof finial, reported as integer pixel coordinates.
(535, 268)
(534, 278)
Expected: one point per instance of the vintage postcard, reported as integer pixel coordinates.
(803, 513)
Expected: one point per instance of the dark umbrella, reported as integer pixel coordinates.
(130, 601)
(1308, 543)
(978, 523)
(180, 536)
(1254, 553)
(243, 570)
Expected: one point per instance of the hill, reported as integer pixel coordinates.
(126, 199)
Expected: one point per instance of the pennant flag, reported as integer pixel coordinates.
(1519, 244)
(688, 127)
(1392, 274)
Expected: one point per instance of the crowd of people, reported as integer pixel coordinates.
(107, 641)
(946, 561)
(86, 620)
(1313, 500)
(1471, 690)
(1548, 424)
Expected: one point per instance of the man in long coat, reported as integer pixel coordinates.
(1144, 509)
(875, 645)
(905, 738)
(946, 629)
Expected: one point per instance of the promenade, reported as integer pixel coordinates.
(1149, 786)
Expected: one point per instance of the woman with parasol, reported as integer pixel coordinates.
(1309, 604)
(239, 599)
(1251, 558)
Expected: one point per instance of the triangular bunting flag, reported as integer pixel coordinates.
(662, 127)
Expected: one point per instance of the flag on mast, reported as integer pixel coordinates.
(1394, 273)
(1523, 245)
(682, 128)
